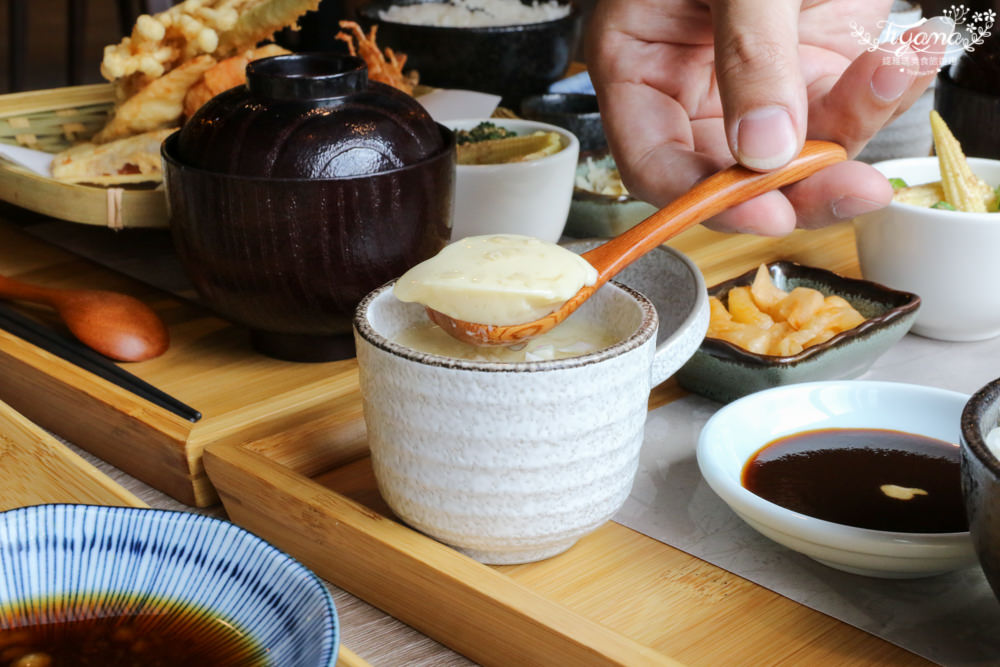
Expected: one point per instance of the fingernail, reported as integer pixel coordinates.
(851, 207)
(766, 138)
(890, 81)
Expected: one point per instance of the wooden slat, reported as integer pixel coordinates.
(39, 469)
(210, 366)
(462, 603)
(69, 97)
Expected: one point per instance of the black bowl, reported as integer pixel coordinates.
(511, 61)
(971, 115)
(292, 258)
(576, 112)
(981, 479)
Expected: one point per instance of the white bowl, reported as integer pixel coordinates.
(950, 259)
(530, 198)
(739, 429)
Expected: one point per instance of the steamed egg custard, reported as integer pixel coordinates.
(496, 279)
(502, 279)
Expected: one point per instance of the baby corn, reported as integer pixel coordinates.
(962, 188)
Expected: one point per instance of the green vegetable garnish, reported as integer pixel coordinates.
(995, 206)
(945, 206)
(482, 132)
(897, 183)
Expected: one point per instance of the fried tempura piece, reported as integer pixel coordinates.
(134, 159)
(220, 28)
(388, 68)
(224, 75)
(158, 105)
(259, 20)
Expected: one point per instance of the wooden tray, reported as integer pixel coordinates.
(617, 597)
(210, 366)
(50, 120)
(39, 469)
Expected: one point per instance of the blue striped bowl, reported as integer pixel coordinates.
(78, 555)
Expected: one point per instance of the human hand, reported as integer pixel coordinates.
(684, 86)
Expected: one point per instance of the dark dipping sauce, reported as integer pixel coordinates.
(868, 478)
(163, 634)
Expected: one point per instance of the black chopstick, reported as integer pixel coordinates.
(79, 354)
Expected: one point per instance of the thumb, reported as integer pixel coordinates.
(760, 84)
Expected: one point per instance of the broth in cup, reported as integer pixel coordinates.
(512, 462)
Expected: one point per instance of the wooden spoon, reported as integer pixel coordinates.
(711, 196)
(116, 325)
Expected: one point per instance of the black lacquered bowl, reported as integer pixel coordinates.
(972, 115)
(293, 199)
(511, 61)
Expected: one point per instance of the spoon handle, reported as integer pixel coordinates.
(711, 196)
(18, 291)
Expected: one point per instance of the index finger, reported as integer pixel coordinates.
(651, 138)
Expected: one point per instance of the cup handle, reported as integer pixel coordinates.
(674, 352)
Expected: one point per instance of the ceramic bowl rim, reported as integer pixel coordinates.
(486, 169)
(646, 330)
(168, 148)
(369, 12)
(972, 437)
(540, 99)
(967, 217)
(803, 526)
(331, 636)
(723, 349)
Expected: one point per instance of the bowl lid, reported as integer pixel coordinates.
(309, 115)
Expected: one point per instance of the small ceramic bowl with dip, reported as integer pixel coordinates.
(514, 461)
(172, 588)
(723, 371)
(947, 257)
(601, 206)
(981, 477)
(528, 197)
(909, 491)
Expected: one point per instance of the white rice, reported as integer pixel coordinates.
(474, 13)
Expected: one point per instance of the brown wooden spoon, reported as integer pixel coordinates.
(709, 197)
(116, 325)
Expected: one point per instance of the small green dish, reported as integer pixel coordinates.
(724, 372)
(593, 215)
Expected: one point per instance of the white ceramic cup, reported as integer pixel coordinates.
(530, 198)
(513, 462)
(950, 259)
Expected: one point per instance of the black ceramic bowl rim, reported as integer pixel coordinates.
(972, 436)
(540, 103)
(722, 349)
(589, 195)
(168, 149)
(370, 13)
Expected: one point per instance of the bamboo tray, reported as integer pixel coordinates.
(51, 120)
(210, 366)
(617, 597)
(39, 469)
